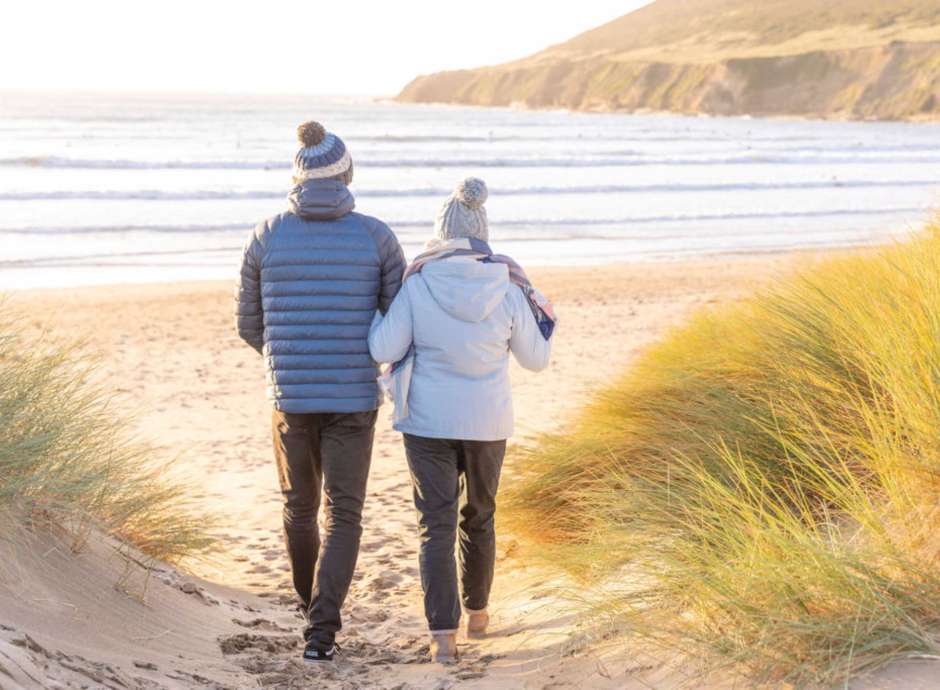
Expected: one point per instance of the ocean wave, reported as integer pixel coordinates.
(250, 195)
(686, 218)
(528, 223)
(456, 162)
(141, 195)
(668, 243)
(65, 230)
(560, 134)
(111, 257)
(125, 164)
(804, 144)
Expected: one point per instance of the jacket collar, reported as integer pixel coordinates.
(320, 200)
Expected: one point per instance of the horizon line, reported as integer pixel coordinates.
(190, 92)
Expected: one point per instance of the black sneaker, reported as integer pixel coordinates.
(315, 653)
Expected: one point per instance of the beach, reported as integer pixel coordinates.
(195, 391)
(170, 354)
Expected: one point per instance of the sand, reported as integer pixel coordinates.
(98, 619)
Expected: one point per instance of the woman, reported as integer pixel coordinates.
(450, 330)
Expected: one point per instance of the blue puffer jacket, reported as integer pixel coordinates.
(311, 280)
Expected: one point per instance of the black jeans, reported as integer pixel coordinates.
(455, 484)
(331, 452)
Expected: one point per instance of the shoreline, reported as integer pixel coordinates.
(650, 112)
(670, 260)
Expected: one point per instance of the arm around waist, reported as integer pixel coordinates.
(390, 336)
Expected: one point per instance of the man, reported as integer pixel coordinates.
(311, 280)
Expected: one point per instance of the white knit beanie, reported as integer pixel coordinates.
(463, 215)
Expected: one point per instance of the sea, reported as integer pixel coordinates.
(111, 189)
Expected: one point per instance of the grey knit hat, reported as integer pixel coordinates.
(323, 155)
(463, 215)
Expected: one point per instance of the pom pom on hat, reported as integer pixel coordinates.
(472, 192)
(311, 134)
(463, 214)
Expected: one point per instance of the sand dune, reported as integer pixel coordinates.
(99, 619)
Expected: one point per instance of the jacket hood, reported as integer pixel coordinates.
(320, 200)
(467, 289)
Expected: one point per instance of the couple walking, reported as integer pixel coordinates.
(324, 295)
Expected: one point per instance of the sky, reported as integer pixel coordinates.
(337, 47)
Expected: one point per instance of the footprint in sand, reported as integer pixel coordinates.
(372, 546)
(261, 624)
(384, 582)
(241, 643)
(373, 616)
(101, 674)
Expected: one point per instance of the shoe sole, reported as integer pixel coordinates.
(317, 661)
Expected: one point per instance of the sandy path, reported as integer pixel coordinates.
(174, 362)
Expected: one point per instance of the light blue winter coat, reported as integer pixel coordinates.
(311, 280)
(464, 318)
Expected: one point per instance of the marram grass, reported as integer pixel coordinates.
(66, 458)
(763, 486)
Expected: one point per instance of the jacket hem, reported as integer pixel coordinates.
(326, 407)
(450, 435)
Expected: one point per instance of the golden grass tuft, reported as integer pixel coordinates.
(67, 460)
(764, 484)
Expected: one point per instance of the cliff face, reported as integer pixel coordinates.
(865, 59)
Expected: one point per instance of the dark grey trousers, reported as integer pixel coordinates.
(455, 484)
(329, 453)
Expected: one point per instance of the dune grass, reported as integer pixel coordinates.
(763, 486)
(66, 458)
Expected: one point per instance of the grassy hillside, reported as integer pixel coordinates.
(764, 485)
(705, 30)
(854, 59)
